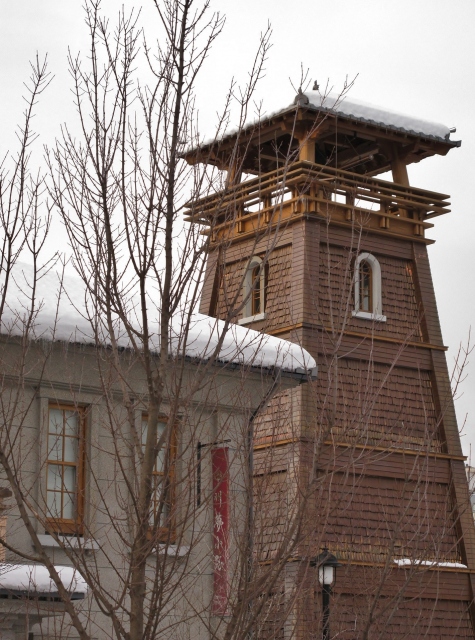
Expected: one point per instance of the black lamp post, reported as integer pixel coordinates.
(327, 564)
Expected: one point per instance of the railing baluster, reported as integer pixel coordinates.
(390, 203)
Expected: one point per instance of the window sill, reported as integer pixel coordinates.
(171, 550)
(67, 542)
(365, 315)
(256, 318)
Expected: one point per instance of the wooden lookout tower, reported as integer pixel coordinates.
(306, 243)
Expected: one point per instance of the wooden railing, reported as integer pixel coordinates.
(305, 187)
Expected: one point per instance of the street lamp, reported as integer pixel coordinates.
(327, 565)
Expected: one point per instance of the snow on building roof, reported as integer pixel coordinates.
(359, 110)
(34, 579)
(348, 107)
(63, 315)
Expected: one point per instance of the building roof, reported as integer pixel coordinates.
(363, 111)
(349, 108)
(63, 314)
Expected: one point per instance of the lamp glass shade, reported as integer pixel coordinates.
(326, 575)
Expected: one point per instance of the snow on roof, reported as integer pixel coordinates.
(409, 562)
(35, 579)
(347, 107)
(242, 346)
(62, 315)
(359, 110)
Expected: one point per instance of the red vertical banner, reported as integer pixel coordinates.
(220, 465)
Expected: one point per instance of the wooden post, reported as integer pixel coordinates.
(398, 167)
(384, 221)
(307, 150)
(240, 215)
(234, 176)
(350, 201)
(307, 144)
(267, 207)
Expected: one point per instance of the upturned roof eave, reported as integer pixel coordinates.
(205, 150)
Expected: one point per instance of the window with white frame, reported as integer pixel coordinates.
(367, 282)
(254, 291)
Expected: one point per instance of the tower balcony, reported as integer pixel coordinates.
(304, 188)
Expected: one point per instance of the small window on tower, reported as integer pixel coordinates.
(367, 280)
(366, 287)
(254, 291)
(256, 302)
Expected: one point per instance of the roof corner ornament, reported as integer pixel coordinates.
(301, 99)
(451, 130)
(316, 86)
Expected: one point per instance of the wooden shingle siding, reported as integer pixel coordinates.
(278, 292)
(426, 294)
(271, 459)
(362, 240)
(367, 348)
(445, 403)
(411, 604)
(399, 301)
(206, 306)
(445, 406)
(378, 427)
(417, 582)
(270, 624)
(379, 406)
(431, 603)
(367, 517)
(273, 494)
(335, 296)
(280, 420)
(230, 289)
(384, 464)
(403, 619)
(279, 289)
(244, 250)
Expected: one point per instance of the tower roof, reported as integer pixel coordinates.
(352, 109)
(349, 134)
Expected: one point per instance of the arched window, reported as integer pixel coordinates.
(366, 286)
(367, 278)
(254, 291)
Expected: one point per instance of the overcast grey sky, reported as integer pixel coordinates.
(414, 56)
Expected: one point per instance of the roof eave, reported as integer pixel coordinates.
(209, 151)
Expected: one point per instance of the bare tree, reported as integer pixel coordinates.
(160, 436)
(120, 190)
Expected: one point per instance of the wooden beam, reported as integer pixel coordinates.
(398, 166)
(352, 157)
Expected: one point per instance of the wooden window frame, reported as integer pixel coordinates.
(166, 533)
(69, 525)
